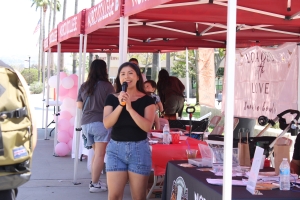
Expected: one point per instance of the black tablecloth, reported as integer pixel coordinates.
(195, 186)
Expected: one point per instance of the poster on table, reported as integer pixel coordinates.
(206, 77)
(266, 81)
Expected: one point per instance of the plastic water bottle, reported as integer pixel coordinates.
(284, 172)
(166, 134)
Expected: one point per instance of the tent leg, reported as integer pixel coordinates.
(229, 106)
(57, 96)
(48, 91)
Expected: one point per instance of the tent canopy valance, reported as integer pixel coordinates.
(187, 23)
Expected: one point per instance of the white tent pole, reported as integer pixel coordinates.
(187, 87)
(229, 105)
(84, 57)
(125, 40)
(121, 38)
(43, 68)
(298, 55)
(57, 95)
(78, 117)
(48, 91)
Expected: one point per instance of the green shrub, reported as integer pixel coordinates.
(30, 76)
(36, 87)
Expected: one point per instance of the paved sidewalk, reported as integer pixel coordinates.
(52, 176)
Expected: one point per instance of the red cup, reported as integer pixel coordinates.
(188, 128)
(175, 138)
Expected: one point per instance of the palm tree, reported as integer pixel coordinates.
(43, 4)
(55, 4)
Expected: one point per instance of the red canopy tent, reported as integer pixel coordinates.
(157, 25)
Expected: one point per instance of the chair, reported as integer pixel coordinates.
(218, 130)
(215, 120)
(235, 122)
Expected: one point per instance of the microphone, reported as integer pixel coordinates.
(124, 88)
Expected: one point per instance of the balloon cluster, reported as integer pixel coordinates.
(67, 94)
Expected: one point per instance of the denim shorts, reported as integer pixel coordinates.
(129, 156)
(95, 132)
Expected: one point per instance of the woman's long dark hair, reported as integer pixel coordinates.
(98, 72)
(139, 83)
(163, 81)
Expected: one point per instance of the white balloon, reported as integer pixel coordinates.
(67, 83)
(69, 103)
(52, 81)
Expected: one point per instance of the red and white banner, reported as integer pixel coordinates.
(46, 44)
(266, 81)
(206, 77)
(103, 13)
(53, 38)
(71, 27)
(135, 6)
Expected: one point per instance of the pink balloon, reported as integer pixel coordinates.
(75, 78)
(62, 149)
(71, 131)
(63, 91)
(62, 75)
(63, 125)
(70, 144)
(65, 115)
(63, 136)
(72, 93)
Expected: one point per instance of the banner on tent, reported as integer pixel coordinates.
(266, 81)
(206, 77)
(53, 38)
(102, 14)
(71, 27)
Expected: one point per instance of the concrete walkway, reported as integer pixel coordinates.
(52, 176)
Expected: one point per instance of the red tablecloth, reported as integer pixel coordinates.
(161, 154)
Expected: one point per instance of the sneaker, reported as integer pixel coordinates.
(99, 182)
(97, 188)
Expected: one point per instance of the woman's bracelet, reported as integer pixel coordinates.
(122, 105)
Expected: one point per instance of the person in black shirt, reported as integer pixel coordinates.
(295, 163)
(128, 153)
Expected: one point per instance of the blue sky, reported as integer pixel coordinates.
(18, 21)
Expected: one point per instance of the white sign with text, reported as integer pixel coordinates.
(258, 155)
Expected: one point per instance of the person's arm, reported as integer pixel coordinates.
(79, 104)
(79, 99)
(110, 115)
(295, 166)
(160, 106)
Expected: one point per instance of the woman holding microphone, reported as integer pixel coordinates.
(130, 114)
